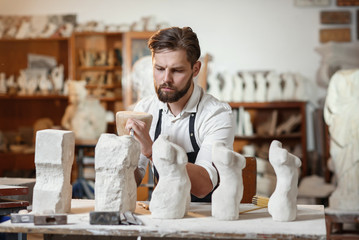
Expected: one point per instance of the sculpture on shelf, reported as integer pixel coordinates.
(261, 89)
(228, 195)
(289, 87)
(57, 76)
(341, 116)
(301, 87)
(274, 90)
(140, 75)
(249, 92)
(22, 82)
(238, 88)
(84, 115)
(3, 87)
(116, 158)
(171, 197)
(54, 155)
(282, 205)
(227, 90)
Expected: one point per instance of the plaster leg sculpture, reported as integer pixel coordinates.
(116, 159)
(54, 155)
(171, 197)
(342, 117)
(227, 197)
(282, 204)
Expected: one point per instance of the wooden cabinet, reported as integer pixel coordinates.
(274, 121)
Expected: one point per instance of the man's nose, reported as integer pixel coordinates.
(168, 76)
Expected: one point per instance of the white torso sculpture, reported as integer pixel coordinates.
(342, 116)
(3, 87)
(228, 195)
(282, 205)
(238, 88)
(289, 86)
(274, 90)
(249, 90)
(54, 155)
(84, 116)
(261, 90)
(116, 158)
(171, 197)
(227, 91)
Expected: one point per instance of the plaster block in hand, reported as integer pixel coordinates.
(54, 155)
(282, 204)
(116, 158)
(228, 195)
(171, 197)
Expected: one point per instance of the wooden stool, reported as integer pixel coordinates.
(334, 220)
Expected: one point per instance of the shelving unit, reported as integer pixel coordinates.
(260, 112)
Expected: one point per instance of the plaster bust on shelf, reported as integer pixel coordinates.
(84, 115)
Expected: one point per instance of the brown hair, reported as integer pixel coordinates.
(176, 38)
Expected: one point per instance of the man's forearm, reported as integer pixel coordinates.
(138, 176)
(201, 183)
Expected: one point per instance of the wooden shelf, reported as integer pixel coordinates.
(267, 105)
(267, 137)
(33, 97)
(92, 86)
(100, 68)
(34, 39)
(97, 33)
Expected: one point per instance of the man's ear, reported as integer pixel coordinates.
(196, 68)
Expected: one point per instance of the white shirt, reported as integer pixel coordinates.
(213, 123)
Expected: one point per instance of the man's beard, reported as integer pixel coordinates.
(167, 97)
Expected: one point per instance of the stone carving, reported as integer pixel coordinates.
(228, 195)
(171, 197)
(54, 155)
(282, 204)
(116, 158)
(274, 90)
(85, 116)
(341, 115)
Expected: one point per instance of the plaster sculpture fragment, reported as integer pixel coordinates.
(228, 195)
(171, 197)
(84, 115)
(57, 76)
(300, 87)
(3, 87)
(32, 84)
(289, 87)
(282, 205)
(261, 89)
(274, 90)
(238, 88)
(227, 91)
(248, 126)
(116, 158)
(45, 84)
(24, 30)
(249, 90)
(342, 117)
(22, 82)
(54, 155)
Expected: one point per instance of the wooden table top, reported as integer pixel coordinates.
(198, 223)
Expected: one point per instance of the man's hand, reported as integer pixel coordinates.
(141, 134)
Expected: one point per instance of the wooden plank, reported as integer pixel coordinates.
(344, 3)
(6, 190)
(12, 203)
(335, 17)
(335, 35)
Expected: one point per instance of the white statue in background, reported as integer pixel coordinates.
(141, 74)
(342, 117)
(3, 87)
(249, 90)
(261, 89)
(84, 115)
(227, 91)
(289, 87)
(238, 88)
(301, 87)
(45, 84)
(282, 205)
(57, 76)
(116, 158)
(22, 82)
(274, 89)
(171, 197)
(228, 195)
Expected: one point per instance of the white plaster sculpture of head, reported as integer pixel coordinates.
(57, 76)
(116, 158)
(274, 89)
(238, 88)
(282, 205)
(228, 195)
(289, 86)
(54, 156)
(84, 115)
(249, 90)
(261, 89)
(342, 117)
(171, 197)
(3, 87)
(141, 73)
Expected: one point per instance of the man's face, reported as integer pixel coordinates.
(172, 74)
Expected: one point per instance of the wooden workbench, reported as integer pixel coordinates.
(198, 224)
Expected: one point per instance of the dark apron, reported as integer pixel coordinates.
(191, 155)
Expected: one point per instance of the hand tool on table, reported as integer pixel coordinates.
(259, 201)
